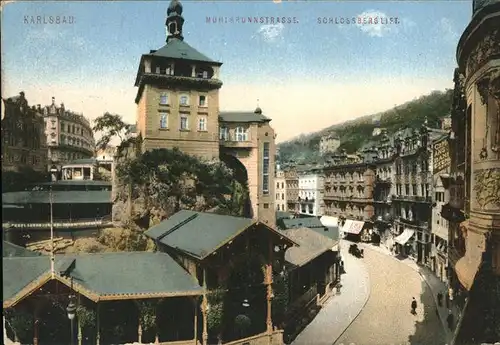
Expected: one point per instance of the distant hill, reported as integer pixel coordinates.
(354, 134)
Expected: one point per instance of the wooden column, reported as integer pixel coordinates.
(79, 332)
(204, 308)
(269, 281)
(35, 330)
(98, 327)
(139, 331)
(195, 301)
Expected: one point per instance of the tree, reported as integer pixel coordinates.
(110, 126)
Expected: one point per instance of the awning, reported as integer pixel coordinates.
(404, 237)
(329, 221)
(353, 226)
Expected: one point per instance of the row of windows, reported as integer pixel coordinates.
(265, 168)
(424, 190)
(68, 128)
(278, 185)
(278, 196)
(184, 100)
(73, 141)
(184, 122)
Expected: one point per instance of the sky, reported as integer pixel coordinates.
(305, 75)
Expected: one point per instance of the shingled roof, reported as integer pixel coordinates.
(311, 245)
(103, 276)
(199, 234)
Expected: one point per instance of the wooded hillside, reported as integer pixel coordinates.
(354, 134)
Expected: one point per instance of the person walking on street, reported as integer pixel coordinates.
(440, 299)
(414, 306)
(449, 320)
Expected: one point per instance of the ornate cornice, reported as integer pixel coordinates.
(489, 85)
(486, 49)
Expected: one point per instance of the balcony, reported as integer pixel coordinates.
(233, 141)
(414, 223)
(306, 200)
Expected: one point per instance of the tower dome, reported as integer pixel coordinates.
(175, 7)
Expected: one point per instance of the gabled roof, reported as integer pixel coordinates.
(178, 49)
(103, 276)
(311, 245)
(242, 116)
(310, 222)
(283, 215)
(13, 250)
(58, 197)
(200, 234)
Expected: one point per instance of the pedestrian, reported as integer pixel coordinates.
(449, 320)
(447, 299)
(440, 299)
(414, 306)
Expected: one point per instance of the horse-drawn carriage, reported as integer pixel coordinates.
(354, 250)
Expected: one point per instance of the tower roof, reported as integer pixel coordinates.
(178, 49)
(175, 7)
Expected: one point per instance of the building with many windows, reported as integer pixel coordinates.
(292, 190)
(69, 136)
(311, 190)
(23, 136)
(178, 106)
(280, 201)
(349, 182)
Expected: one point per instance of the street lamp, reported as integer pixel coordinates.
(71, 310)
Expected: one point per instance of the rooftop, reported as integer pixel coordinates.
(102, 276)
(199, 234)
(13, 250)
(295, 223)
(178, 49)
(242, 116)
(311, 245)
(58, 197)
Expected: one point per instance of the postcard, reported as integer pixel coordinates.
(191, 172)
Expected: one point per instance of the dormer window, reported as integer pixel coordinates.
(184, 100)
(205, 74)
(164, 99)
(157, 70)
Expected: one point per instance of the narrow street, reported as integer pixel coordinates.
(386, 317)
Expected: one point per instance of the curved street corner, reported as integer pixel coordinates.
(386, 317)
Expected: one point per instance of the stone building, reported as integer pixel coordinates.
(292, 190)
(474, 207)
(178, 106)
(329, 143)
(311, 191)
(69, 135)
(439, 226)
(384, 188)
(23, 137)
(280, 201)
(413, 198)
(349, 183)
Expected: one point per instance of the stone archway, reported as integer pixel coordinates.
(241, 177)
(245, 303)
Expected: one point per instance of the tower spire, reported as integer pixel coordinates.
(174, 21)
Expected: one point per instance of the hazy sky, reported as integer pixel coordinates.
(306, 75)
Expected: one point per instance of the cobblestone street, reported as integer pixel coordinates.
(386, 318)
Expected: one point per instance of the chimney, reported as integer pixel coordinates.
(53, 101)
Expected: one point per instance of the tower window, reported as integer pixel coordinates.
(163, 120)
(265, 168)
(202, 101)
(164, 99)
(241, 134)
(184, 123)
(205, 74)
(202, 124)
(184, 100)
(172, 28)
